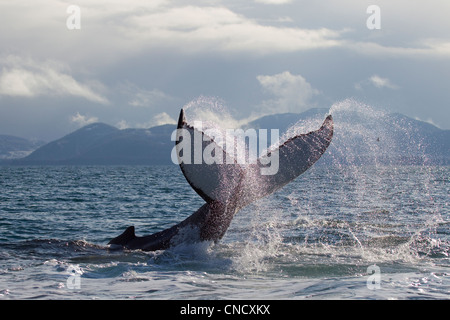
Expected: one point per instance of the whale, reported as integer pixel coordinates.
(228, 187)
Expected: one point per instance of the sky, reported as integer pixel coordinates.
(135, 63)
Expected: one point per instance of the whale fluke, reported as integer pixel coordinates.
(212, 181)
(229, 186)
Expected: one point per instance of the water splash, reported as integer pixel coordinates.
(347, 206)
(212, 112)
(261, 238)
(370, 149)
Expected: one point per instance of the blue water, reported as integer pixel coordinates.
(318, 238)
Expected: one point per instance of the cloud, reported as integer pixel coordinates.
(27, 78)
(195, 28)
(187, 48)
(163, 118)
(292, 93)
(139, 97)
(158, 120)
(378, 82)
(146, 98)
(82, 121)
(127, 29)
(419, 49)
(130, 28)
(122, 124)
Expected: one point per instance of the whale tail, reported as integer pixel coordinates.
(228, 186)
(226, 178)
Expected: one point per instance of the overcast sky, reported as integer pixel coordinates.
(135, 63)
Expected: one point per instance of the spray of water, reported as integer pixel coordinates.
(211, 112)
(380, 203)
(346, 206)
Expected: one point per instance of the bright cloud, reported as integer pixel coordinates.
(136, 25)
(380, 82)
(158, 120)
(377, 82)
(193, 28)
(83, 120)
(123, 124)
(21, 77)
(163, 118)
(292, 93)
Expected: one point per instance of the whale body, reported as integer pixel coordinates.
(229, 187)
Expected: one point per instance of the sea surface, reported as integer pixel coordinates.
(349, 232)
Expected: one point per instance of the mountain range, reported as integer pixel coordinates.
(12, 147)
(358, 138)
(102, 144)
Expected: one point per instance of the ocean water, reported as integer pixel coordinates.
(350, 232)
